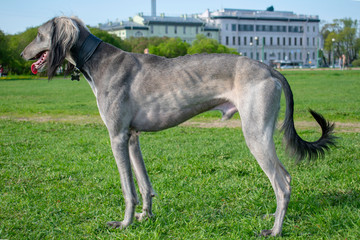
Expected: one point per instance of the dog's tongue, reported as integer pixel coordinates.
(35, 66)
(33, 69)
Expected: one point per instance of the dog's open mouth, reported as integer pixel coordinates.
(40, 63)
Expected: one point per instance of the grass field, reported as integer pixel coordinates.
(58, 179)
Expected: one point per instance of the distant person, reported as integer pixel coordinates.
(343, 61)
(1, 70)
(340, 60)
(146, 51)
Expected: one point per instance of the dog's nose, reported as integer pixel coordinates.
(22, 54)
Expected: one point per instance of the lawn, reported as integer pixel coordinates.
(58, 179)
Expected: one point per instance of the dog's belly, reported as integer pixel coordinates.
(159, 117)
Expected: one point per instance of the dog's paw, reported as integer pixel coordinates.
(266, 233)
(115, 224)
(143, 216)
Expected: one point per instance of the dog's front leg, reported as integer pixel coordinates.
(146, 190)
(120, 148)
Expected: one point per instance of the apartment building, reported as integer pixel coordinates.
(268, 36)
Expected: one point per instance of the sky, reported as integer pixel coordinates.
(18, 15)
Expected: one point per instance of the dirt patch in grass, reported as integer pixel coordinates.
(339, 126)
(208, 123)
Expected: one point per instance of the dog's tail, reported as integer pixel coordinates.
(296, 146)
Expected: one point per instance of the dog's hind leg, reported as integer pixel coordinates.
(120, 148)
(258, 113)
(146, 190)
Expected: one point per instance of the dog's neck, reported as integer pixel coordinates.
(84, 49)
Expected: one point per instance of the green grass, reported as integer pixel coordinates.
(335, 94)
(59, 180)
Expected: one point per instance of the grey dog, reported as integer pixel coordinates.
(137, 92)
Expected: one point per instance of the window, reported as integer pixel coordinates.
(278, 42)
(166, 29)
(239, 41)
(289, 41)
(227, 40)
(264, 41)
(234, 41)
(175, 29)
(295, 41)
(233, 27)
(245, 43)
(271, 41)
(245, 28)
(301, 40)
(284, 41)
(307, 41)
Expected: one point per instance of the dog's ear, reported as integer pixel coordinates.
(64, 34)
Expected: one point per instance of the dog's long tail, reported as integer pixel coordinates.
(296, 146)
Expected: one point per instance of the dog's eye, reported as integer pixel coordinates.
(39, 36)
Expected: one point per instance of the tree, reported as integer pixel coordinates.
(110, 38)
(203, 44)
(170, 48)
(16, 64)
(344, 34)
(138, 45)
(4, 49)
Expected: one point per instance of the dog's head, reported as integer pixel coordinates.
(52, 44)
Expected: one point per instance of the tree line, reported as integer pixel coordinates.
(341, 37)
(12, 45)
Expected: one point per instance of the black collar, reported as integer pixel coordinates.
(83, 52)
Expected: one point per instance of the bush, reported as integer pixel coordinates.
(356, 63)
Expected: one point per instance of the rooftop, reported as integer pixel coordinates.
(260, 15)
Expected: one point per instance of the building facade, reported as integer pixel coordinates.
(268, 36)
(184, 27)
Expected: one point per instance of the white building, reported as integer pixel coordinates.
(184, 27)
(268, 35)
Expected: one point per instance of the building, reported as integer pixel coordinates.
(184, 27)
(269, 35)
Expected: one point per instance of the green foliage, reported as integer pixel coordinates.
(4, 48)
(203, 44)
(345, 33)
(356, 63)
(110, 38)
(170, 48)
(16, 44)
(138, 45)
